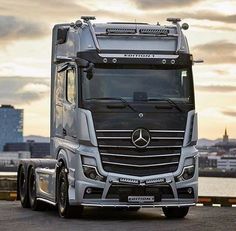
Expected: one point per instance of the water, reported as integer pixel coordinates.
(216, 186)
(8, 173)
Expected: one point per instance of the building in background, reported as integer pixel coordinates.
(11, 125)
(10, 160)
(36, 149)
(221, 155)
(227, 163)
(225, 146)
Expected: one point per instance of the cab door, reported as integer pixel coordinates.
(70, 104)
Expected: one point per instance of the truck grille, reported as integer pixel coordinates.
(119, 155)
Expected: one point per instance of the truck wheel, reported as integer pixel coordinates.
(175, 212)
(64, 209)
(34, 203)
(22, 184)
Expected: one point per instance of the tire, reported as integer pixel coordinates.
(22, 184)
(32, 188)
(175, 212)
(65, 210)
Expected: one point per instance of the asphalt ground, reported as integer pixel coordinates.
(14, 217)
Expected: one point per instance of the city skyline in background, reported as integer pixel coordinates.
(25, 43)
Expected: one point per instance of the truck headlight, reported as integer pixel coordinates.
(188, 170)
(92, 173)
(187, 173)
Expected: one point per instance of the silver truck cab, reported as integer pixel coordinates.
(123, 121)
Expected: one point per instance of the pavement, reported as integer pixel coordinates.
(14, 217)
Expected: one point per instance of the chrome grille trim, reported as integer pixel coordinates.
(167, 138)
(127, 138)
(113, 138)
(114, 130)
(133, 147)
(119, 155)
(140, 166)
(135, 156)
(165, 131)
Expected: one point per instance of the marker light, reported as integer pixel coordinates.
(163, 61)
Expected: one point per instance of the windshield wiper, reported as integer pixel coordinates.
(170, 101)
(115, 98)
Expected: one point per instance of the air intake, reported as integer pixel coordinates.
(120, 31)
(154, 31)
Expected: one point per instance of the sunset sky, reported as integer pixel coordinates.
(25, 50)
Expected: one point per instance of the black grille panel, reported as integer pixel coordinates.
(116, 191)
(119, 155)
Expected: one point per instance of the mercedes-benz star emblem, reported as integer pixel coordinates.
(141, 138)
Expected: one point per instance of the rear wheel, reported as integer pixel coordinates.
(175, 212)
(65, 210)
(34, 203)
(22, 184)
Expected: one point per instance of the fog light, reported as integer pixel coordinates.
(92, 173)
(190, 190)
(88, 190)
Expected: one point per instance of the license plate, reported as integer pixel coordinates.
(141, 199)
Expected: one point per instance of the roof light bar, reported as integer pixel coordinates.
(121, 31)
(154, 31)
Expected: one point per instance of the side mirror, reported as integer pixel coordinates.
(89, 71)
(62, 35)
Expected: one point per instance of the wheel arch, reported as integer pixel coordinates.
(61, 161)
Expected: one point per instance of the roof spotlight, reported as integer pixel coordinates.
(185, 26)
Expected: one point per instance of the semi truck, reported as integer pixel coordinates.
(123, 121)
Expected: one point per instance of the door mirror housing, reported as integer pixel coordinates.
(89, 71)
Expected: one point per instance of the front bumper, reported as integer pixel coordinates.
(78, 186)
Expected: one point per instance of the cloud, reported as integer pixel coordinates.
(229, 113)
(196, 14)
(150, 4)
(23, 90)
(200, 15)
(221, 72)
(49, 11)
(13, 28)
(215, 28)
(209, 15)
(217, 52)
(216, 88)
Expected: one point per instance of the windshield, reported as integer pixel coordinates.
(138, 84)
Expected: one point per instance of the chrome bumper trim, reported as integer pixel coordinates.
(138, 205)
